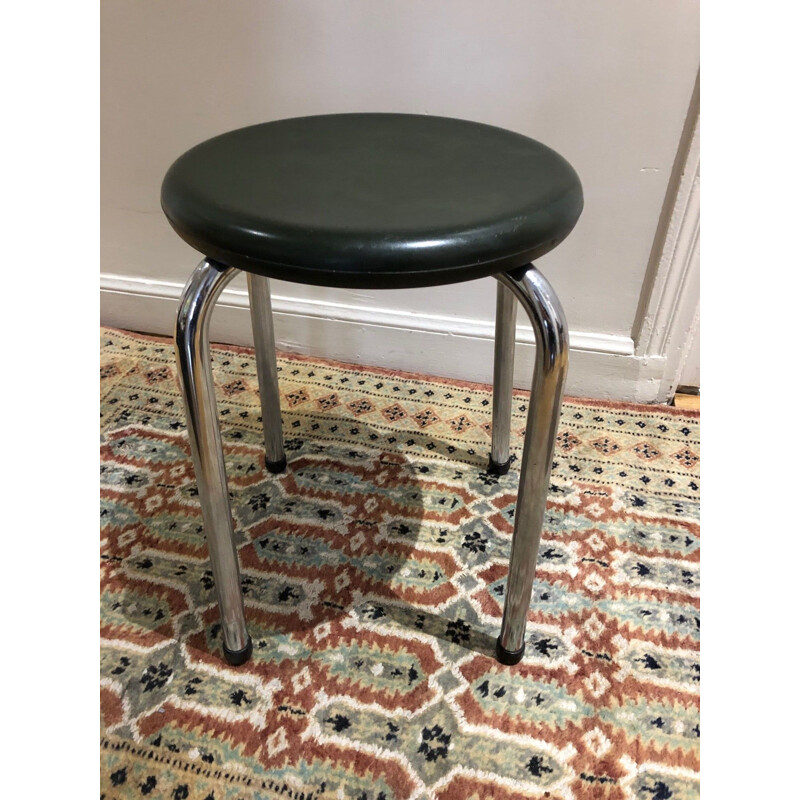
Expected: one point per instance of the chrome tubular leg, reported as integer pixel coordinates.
(504, 339)
(552, 352)
(264, 336)
(197, 384)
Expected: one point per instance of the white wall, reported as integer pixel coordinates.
(606, 84)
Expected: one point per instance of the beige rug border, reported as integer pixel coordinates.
(652, 408)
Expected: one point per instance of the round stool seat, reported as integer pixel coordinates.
(372, 200)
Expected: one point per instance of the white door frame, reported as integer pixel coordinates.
(672, 314)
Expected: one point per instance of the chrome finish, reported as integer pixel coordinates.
(264, 336)
(505, 323)
(197, 384)
(552, 352)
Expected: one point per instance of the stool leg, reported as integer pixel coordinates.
(264, 337)
(504, 339)
(197, 384)
(552, 351)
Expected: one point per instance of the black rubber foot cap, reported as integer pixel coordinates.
(276, 466)
(509, 657)
(237, 657)
(498, 469)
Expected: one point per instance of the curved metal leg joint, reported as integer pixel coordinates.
(197, 385)
(552, 352)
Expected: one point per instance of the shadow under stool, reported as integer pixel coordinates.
(373, 201)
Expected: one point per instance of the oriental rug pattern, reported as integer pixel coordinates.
(373, 572)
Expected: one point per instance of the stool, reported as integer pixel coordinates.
(377, 201)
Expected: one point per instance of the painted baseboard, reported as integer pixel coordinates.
(601, 365)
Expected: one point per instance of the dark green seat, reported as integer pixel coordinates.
(372, 200)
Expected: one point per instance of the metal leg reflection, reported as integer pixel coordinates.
(197, 384)
(504, 341)
(264, 337)
(552, 352)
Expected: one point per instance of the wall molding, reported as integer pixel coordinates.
(670, 302)
(601, 365)
(671, 325)
(369, 315)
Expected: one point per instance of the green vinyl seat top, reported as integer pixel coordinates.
(372, 200)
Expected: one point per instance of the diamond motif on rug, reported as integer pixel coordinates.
(426, 417)
(567, 441)
(687, 458)
(296, 397)
(605, 445)
(461, 423)
(234, 387)
(647, 451)
(361, 406)
(394, 413)
(327, 402)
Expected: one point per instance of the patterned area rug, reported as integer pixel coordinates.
(373, 573)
